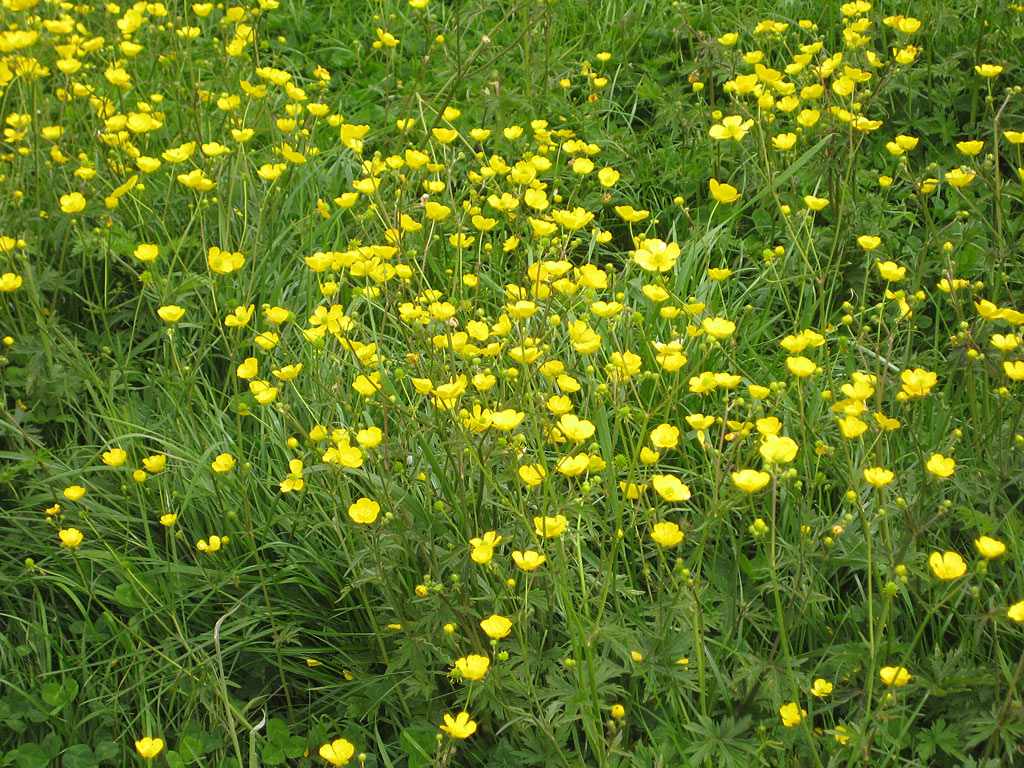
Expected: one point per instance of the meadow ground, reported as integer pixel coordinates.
(457, 383)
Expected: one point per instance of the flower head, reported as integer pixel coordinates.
(894, 676)
(364, 511)
(496, 626)
(70, 537)
(528, 560)
(821, 688)
(666, 534)
(792, 714)
(989, 547)
(149, 748)
(472, 667)
(947, 566)
(337, 752)
(460, 726)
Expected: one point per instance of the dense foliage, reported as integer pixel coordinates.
(437, 383)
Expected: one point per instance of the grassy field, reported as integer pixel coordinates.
(456, 383)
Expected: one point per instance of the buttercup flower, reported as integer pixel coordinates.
(821, 688)
(723, 193)
(114, 457)
(337, 752)
(528, 560)
(947, 566)
(879, 476)
(1016, 611)
(70, 537)
(472, 667)
(483, 548)
(459, 727)
(940, 465)
(496, 627)
(792, 714)
(894, 676)
(666, 534)
(750, 480)
(989, 547)
(74, 492)
(224, 462)
(364, 511)
(549, 527)
(149, 748)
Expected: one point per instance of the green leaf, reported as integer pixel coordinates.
(174, 759)
(190, 748)
(79, 756)
(106, 750)
(272, 754)
(31, 756)
(419, 746)
(59, 695)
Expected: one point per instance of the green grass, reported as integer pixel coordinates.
(309, 626)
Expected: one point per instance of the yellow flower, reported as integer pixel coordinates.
(74, 492)
(472, 667)
(70, 537)
(532, 474)
(1016, 611)
(483, 548)
(146, 252)
(656, 255)
(114, 457)
(894, 676)
(214, 544)
(890, 271)
(947, 566)
(940, 465)
(989, 547)
(670, 488)
(821, 688)
(1014, 370)
(917, 382)
(801, 366)
(778, 450)
(496, 627)
(171, 313)
(815, 203)
(550, 527)
(988, 70)
(959, 177)
(718, 327)
(852, 427)
(792, 714)
(618, 711)
(575, 428)
(723, 193)
(149, 748)
(72, 203)
(338, 752)
(364, 511)
(731, 127)
(288, 372)
(841, 734)
(224, 262)
(750, 480)
(249, 368)
(155, 463)
(528, 560)
(168, 519)
(869, 242)
(459, 727)
(224, 462)
(879, 476)
(666, 534)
